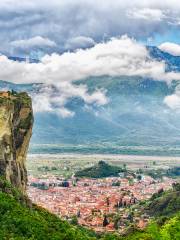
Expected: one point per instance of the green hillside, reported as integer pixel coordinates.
(19, 220)
(170, 230)
(165, 203)
(101, 170)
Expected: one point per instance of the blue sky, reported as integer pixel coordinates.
(37, 27)
(172, 35)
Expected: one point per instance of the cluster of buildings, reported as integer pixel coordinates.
(97, 202)
(8, 94)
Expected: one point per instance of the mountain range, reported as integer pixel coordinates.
(135, 121)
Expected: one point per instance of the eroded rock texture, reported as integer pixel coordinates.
(16, 121)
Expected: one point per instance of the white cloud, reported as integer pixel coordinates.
(79, 42)
(64, 21)
(35, 42)
(122, 56)
(173, 101)
(149, 14)
(45, 101)
(53, 98)
(171, 48)
(41, 103)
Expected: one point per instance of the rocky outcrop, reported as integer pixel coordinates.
(16, 121)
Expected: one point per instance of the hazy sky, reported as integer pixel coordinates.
(36, 27)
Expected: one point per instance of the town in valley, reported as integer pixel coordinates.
(102, 204)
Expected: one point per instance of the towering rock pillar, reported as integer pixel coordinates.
(16, 121)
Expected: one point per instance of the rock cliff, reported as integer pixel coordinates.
(16, 121)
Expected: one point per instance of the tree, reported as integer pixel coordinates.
(130, 217)
(78, 213)
(107, 201)
(176, 186)
(74, 220)
(105, 221)
(124, 166)
(139, 171)
(13, 92)
(116, 184)
(116, 222)
(131, 181)
(139, 177)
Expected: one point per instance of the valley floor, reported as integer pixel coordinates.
(67, 164)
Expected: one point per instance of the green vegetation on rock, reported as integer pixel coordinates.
(170, 230)
(165, 203)
(21, 98)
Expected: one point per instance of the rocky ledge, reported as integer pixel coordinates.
(16, 121)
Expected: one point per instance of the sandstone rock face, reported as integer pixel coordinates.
(16, 121)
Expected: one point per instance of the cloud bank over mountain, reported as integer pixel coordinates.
(94, 70)
(118, 57)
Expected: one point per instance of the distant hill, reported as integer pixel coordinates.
(101, 170)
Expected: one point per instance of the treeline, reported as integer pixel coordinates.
(159, 173)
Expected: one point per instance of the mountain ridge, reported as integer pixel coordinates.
(136, 115)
